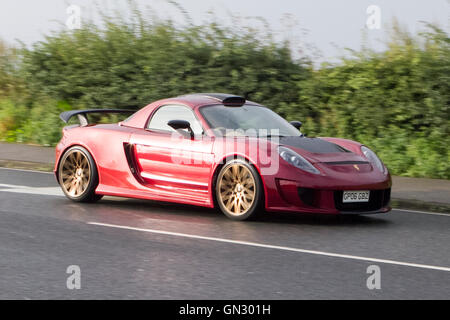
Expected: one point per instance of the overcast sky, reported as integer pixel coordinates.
(329, 25)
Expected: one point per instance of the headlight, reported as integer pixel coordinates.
(296, 160)
(372, 157)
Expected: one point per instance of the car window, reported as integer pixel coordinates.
(173, 112)
(245, 118)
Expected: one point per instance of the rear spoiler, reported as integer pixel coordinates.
(82, 114)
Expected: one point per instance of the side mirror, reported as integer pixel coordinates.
(296, 124)
(181, 124)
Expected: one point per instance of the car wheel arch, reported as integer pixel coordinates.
(223, 162)
(77, 145)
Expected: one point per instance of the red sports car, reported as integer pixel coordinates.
(218, 150)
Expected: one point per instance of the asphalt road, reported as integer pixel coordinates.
(133, 249)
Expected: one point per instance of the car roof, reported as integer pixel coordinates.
(201, 99)
(193, 100)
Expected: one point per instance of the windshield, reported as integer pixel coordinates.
(247, 120)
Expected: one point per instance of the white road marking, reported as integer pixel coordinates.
(26, 170)
(268, 246)
(47, 191)
(422, 212)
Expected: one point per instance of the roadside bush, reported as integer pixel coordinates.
(132, 64)
(39, 124)
(396, 102)
(43, 126)
(12, 117)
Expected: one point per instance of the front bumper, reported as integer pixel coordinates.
(294, 196)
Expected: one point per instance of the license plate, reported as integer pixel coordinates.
(355, 196)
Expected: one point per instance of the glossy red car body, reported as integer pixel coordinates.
(135, 162)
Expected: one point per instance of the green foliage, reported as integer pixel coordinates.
(38, 124)
(10, 83)
(396, 102)
(12, 117)
(132, 64)
(44, 125)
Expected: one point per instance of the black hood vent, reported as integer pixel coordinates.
(315, 145)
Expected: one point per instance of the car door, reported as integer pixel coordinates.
(170, 159)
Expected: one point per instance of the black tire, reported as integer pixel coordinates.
(237, 189)
(75, 182)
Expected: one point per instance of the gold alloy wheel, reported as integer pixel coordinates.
(75, 173)
(237, 189)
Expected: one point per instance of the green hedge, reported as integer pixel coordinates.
(130, 65)
(396, 102)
